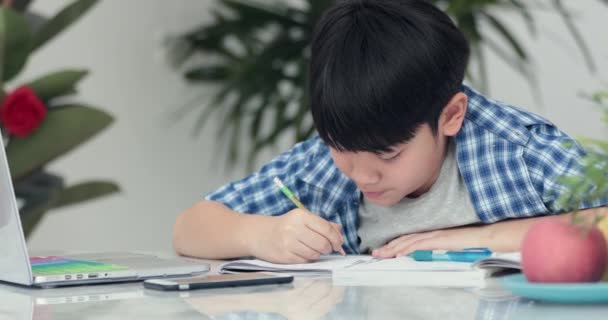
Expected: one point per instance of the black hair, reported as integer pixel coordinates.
(380, 69)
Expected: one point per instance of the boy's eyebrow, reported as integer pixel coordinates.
(390, 150)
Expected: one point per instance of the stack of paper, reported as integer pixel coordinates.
(364, 270)
(405, 271)
(324, 266)
(500, 260)
(499, 263)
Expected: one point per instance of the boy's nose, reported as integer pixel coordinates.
(365, 177)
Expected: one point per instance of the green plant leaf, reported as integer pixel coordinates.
(2, 44)
(592, 183)
(254, 41)
(507, 35)
(208, 73)
(62, 20)
(21, 5)
(85, 191)
(63, 129)
(261, 12)
(594, 143)
(31, 217)
(15, 43)
(526, 15)
(599, 96)
(39, 191)
(57, 83)
(575, 33)
(43, 192)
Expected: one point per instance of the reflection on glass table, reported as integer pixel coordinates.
(304, 299)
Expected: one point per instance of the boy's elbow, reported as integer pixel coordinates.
(197, 228)
(178, 233)
(184, 230)
(188, 228)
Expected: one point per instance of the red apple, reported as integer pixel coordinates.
(603, 226)
(558, 251)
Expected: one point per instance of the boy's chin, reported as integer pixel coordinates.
(384, 202)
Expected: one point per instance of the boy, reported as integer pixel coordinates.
(407, 158)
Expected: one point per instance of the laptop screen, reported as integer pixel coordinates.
(14, 262)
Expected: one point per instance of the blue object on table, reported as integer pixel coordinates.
(592, 292)
(466, 255)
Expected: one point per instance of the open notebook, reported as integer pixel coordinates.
(364, 270)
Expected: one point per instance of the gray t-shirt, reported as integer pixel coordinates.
(446, 204)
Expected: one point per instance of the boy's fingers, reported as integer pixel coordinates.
(430, 243)
(315, 241)
(294, 258)
(325, 228)
(390, 250)
(410, 244)
(409, 239)
(384, 252)
(304, 251)
(339, 229)
(422, 244)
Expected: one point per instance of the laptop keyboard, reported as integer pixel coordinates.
(53, 265)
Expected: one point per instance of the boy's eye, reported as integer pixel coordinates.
(388, 157)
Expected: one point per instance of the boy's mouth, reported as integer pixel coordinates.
(373, 195)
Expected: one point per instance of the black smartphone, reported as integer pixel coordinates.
(218, 281)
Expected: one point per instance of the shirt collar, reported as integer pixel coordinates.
(321, 171)
(491, 115)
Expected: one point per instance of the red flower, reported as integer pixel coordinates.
(22, 112)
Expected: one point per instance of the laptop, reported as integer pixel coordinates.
(16, 266)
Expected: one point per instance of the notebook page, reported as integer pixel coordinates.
(408, 264)
(405, 271)
(510, 260)
(324, 264)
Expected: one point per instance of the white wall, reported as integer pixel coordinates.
(162, 169)
(160, 166)
(560, 68)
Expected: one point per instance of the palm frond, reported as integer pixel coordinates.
(576, 35)
(249, 45)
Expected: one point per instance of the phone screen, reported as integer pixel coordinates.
(218, 281)
(224, 277)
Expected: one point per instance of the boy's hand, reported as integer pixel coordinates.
(503, 236)
(298, 236)
(447, 239)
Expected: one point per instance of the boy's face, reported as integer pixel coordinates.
(408, 170)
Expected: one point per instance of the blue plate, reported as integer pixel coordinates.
(596, 292)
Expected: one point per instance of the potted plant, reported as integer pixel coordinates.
(38, 119)
(258, 55)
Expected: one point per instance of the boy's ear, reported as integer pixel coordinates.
(453, 114)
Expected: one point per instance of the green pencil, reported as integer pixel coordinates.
(295, 201)
(288, 193)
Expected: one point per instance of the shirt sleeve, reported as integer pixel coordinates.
(550, 156)
(257, 192)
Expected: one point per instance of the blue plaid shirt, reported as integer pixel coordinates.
(510, 160)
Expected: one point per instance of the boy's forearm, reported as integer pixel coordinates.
(211, 230)
(504, 236)
(508, 235)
